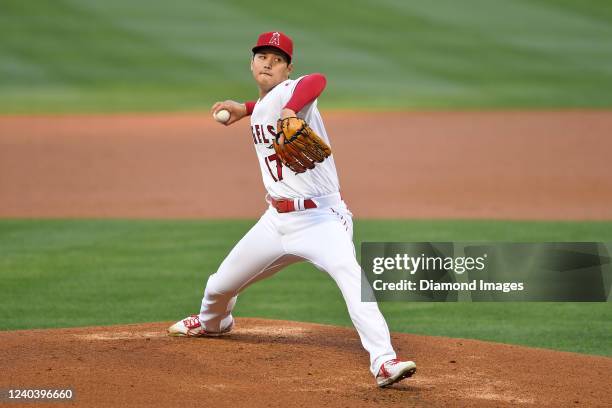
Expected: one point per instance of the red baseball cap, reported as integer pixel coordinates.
(275, 39)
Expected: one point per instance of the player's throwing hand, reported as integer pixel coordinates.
(237, 110)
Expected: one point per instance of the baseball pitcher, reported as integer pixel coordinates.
(306, 219)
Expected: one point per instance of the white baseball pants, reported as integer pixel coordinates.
(322, 236)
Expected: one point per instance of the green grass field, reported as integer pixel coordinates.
(57, 273)
(127, 55)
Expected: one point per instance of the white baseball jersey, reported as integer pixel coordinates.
(279, 180)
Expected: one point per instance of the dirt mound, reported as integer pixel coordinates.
(504, 165)
(277, 363)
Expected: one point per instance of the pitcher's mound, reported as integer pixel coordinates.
(266, 363)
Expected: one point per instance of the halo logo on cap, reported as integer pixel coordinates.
(275, 39)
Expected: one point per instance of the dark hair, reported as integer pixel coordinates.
(275, 50)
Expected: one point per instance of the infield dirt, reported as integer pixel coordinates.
(499, 165)
(266, 363)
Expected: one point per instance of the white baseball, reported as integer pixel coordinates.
(222, 116)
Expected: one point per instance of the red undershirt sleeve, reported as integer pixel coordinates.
(250, 105)
(307, 90)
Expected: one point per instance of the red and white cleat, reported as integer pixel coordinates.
(191, 327)
(393, 371)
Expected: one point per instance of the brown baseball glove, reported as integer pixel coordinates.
(298, 146)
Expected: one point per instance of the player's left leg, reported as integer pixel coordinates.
(258, 255)
(327, 243)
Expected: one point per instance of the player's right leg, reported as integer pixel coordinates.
(327, 243)
(257, 255)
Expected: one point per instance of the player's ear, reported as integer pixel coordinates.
(289, 68)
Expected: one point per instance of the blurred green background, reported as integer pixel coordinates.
(60, 273)
(126, 55)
